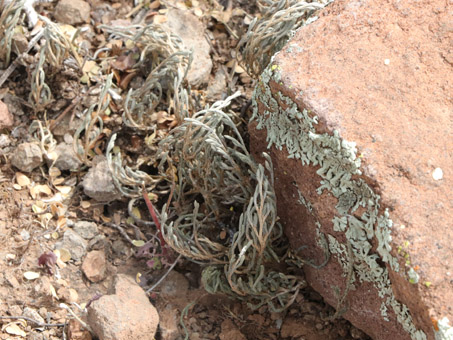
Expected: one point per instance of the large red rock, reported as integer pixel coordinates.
(357, 114)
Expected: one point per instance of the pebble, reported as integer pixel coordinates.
(27, 157)
(98, 183)
(74, 243)
(67, 158)
(94, 266)
(86, 229)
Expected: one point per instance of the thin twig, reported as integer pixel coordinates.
(164, 276)
(65, 112)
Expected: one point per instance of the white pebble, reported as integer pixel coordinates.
(438, 174)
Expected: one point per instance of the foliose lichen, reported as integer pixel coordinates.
(288, 126)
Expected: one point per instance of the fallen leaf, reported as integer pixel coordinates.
(31, 275)
(160, 19)
(53, 292)
(40, 189)
(65, 254)
(136, 213)
(58, 180)
(138, 243)
(54, 172)
(85, 204)
(14, 329)
(22, 179)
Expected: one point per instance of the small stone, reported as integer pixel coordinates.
(33, 314)
(5, 141)
(217, 86)
(176, 286)
(438, 174)
(9, 276)
(6, 118)
(72, 12)
(169, 323)
(230, 331)
(191, 30)
(27, 157)
(68, 294)
(14, 105)
(67, 158)
(19, 43)
(86, 229)
(120, 247)
(98, 183)
(107, 316)
(94, 266)
(74, 243)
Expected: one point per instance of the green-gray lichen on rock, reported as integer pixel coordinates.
(288, 126)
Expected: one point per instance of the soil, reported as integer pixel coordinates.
(26, 288)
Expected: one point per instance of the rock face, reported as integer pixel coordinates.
(127, 314)
(356, 111)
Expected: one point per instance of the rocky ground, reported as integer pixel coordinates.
(73, 257)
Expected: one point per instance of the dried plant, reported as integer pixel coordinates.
(216, 180)
(268, 35)
(89, 131)
(57, 49)
(59, 46)
(9, 18)
(165, 63)
(40, 95)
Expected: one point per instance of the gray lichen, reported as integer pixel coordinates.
(288, 126)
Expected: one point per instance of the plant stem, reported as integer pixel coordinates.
(150, 206)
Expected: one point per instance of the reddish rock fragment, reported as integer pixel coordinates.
(94, 266)
(127, 314)
(6, 118)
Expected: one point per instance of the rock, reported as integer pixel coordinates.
(67, 158)
(176, 286)
(73, 242)
(86, 229)
(19, 43)
(68, 295)
(94, 266)
(294, 328)
(33, 314)
(191, 30)
(169, 322)
(230, 331)
(14, 105)
(27, 157)
(72, 12)
(98, 183)
(217, 86)
(11, 279)
(377, 94)
(126, 314)
(5, 141)
(6, 118)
